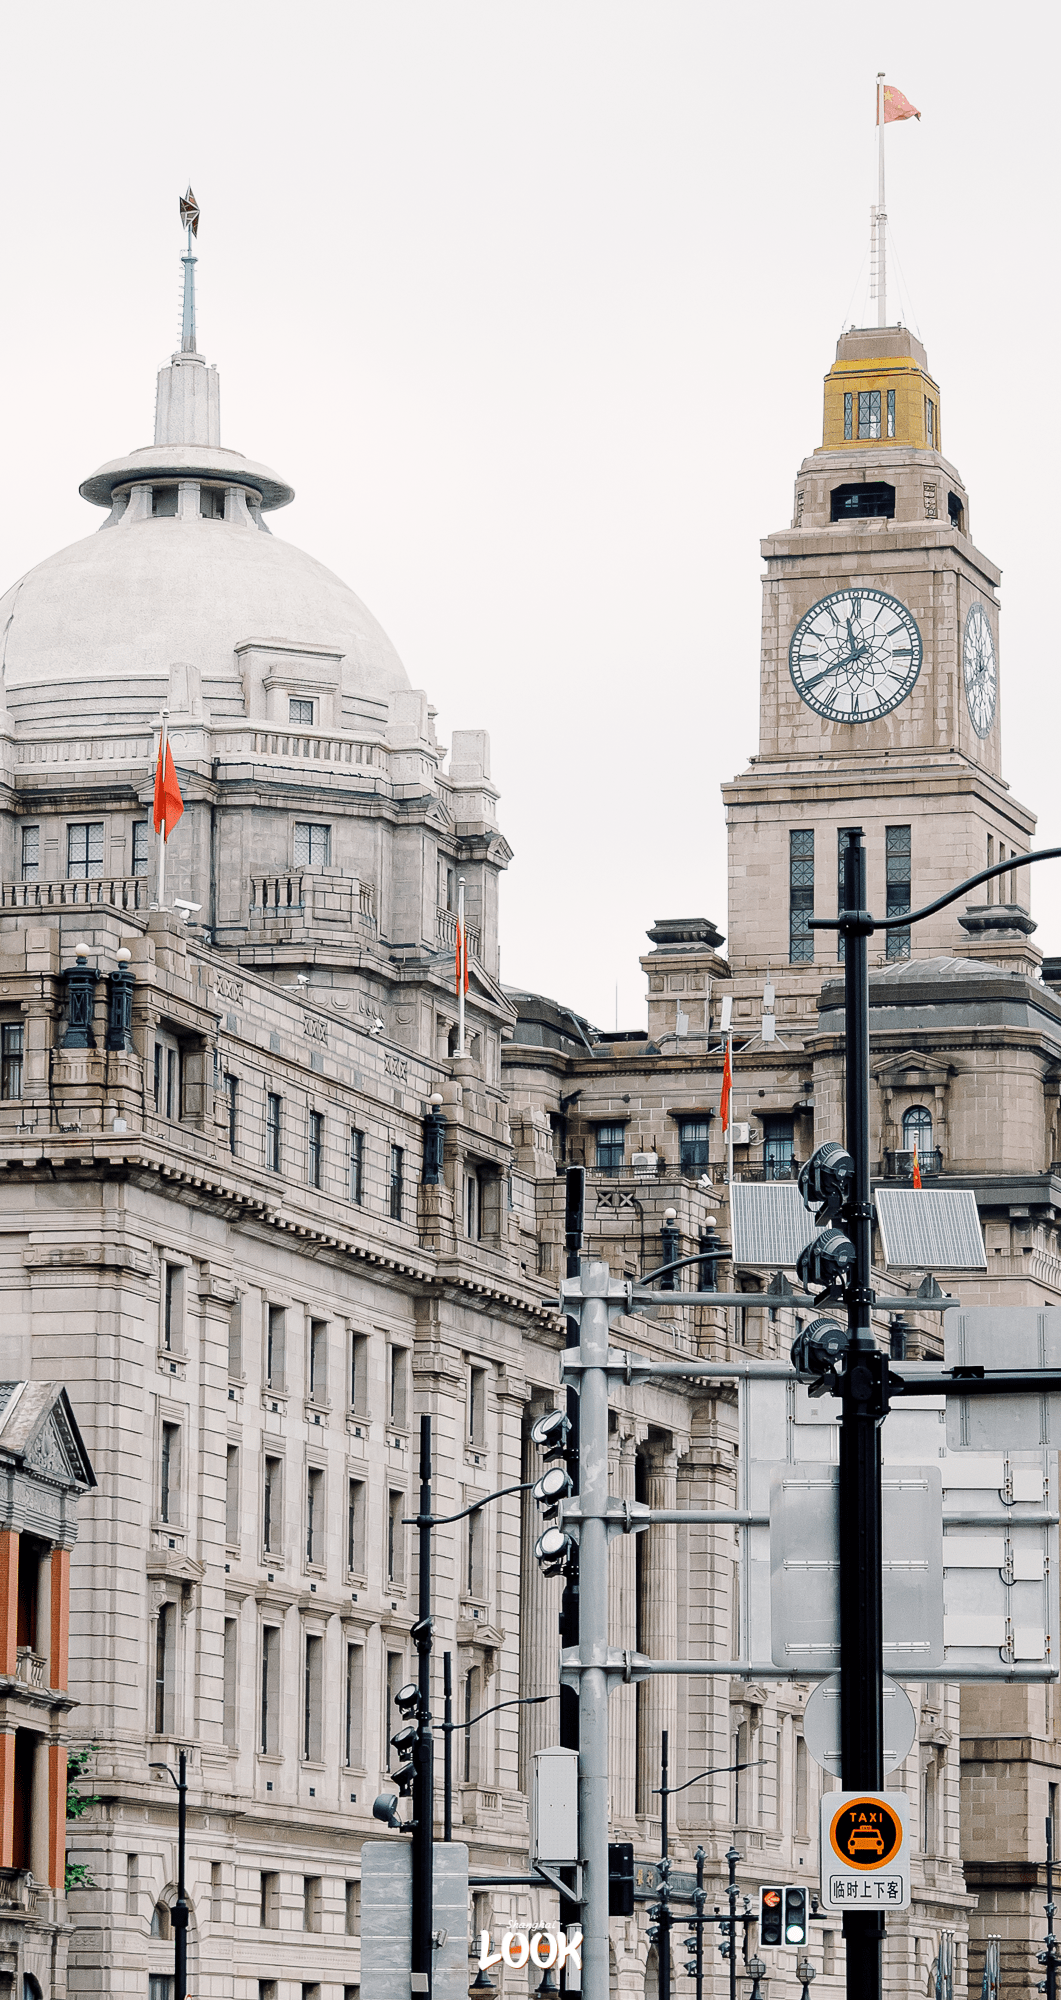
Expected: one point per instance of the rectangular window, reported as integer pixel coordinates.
(779, 1149)
(397, 1182)
(891, 413)
(163, 1703)
(311, 1900)
(235, 1340)
(272, 1132)
(800, 896)
(869, 413)
(300, 712)
(314, 1515)
(173, 1308)
(395, 1540)
(357, 1159)
(158, 1077)
(270, 1707)
(84, 850)
(474, 1574)
(275, 1345)
(11, 1059)
(473, 1205)
(269, 1917)
(471, 1736)
(316, 1148)
(159, 1986)
(172, 1085)
(312, 1699)
(356, 1511)
(318, 1361)
(399, 1386)
(313, 845)
(232, 1495)
(232, 1103)
(353, 1907)
(693, 1146)
(930, 426)
(897, 879)
(170, 1479)
(359, 1373)
(802, 1822)
(353, 1710)
(849, 415)
(477, 1406)
(611, 1146)
(272, 1507)
(229, 1665)
(140, 847)
(31, 853)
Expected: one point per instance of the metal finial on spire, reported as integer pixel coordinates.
(190, 221)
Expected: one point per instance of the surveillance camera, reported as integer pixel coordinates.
(377, 1025)
(181, 903)
(300, 979)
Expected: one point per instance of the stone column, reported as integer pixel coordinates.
(7, 1798)
(38, 1812)
(622, 1621)
(8, 1601)
(659, 1624)
(57, 1815)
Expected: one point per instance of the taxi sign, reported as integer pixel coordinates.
(865, 1851)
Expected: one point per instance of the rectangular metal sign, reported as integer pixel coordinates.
(805, 1568)
(387, 1919)
(1003, 1337)
(865, 1851)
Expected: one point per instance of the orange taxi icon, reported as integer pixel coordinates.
(865, 1840)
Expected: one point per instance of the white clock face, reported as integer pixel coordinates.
(981, 671)
(855, 655)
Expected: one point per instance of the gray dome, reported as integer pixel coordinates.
(99, 625)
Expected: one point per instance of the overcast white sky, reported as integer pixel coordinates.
(532, 304)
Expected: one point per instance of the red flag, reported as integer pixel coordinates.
(727, 1084)
(168, 802)
(896, 106)
(462, 958)
(917, 1169)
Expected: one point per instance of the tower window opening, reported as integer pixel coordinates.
(779, 1148)
(891, 413)
(956, 512)
(84, 850)
(897, 879)
(917, 1130)
(313, 844)
(849, 414)
(930, 422)
(31, 853)
(869, 413)
(164, 502)
(800, 896)
(864, 502)
(211, 503)
(300, 711)
(140, 847)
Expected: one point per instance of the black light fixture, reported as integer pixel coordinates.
(551, 1488)
(385, 1808)
(555, 1551)
(817, 1350)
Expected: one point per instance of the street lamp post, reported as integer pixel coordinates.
(179, 1912)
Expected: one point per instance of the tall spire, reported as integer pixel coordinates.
(190, 219)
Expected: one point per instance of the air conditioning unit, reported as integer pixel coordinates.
(742, 1135)
(645, 1166)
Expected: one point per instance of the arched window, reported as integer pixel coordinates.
(917, 1129)
(160, 1923)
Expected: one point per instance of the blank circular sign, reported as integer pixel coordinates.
(821, 1724)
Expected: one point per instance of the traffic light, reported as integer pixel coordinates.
(772, 1915)
(620, 1878)
(816, 1351)
(555, 1550)
(827, 1185)
(795, 1916)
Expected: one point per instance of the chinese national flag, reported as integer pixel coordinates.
(168, 802)
(462, 959)
(917, 1169)
(727, 1084)
(896, 106)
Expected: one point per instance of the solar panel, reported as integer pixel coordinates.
(930, 1229)
(770, 1223)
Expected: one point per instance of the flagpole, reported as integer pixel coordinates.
(462, 963)
(729, 1108)
(162, 836)
(882, 219)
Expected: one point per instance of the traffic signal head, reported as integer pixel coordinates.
(795, 1916)
(549, 1431)
(826, 1261)
(620, 1878)
(827, 1181)
(772, 1914)
(555, 1551)
(816, 1351)
(550, 1489)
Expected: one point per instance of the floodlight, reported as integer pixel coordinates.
(407, 1698)
(826, 1262)
(551, 1488)
(549, 1428)
(816, 1351)
(555, 1551)
(827, 1181)
(386, 1809)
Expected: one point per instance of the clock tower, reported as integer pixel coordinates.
(879, 688)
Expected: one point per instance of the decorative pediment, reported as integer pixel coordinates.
(39, 1430)
(911, 1071)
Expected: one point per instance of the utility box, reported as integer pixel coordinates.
(554, 1808)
